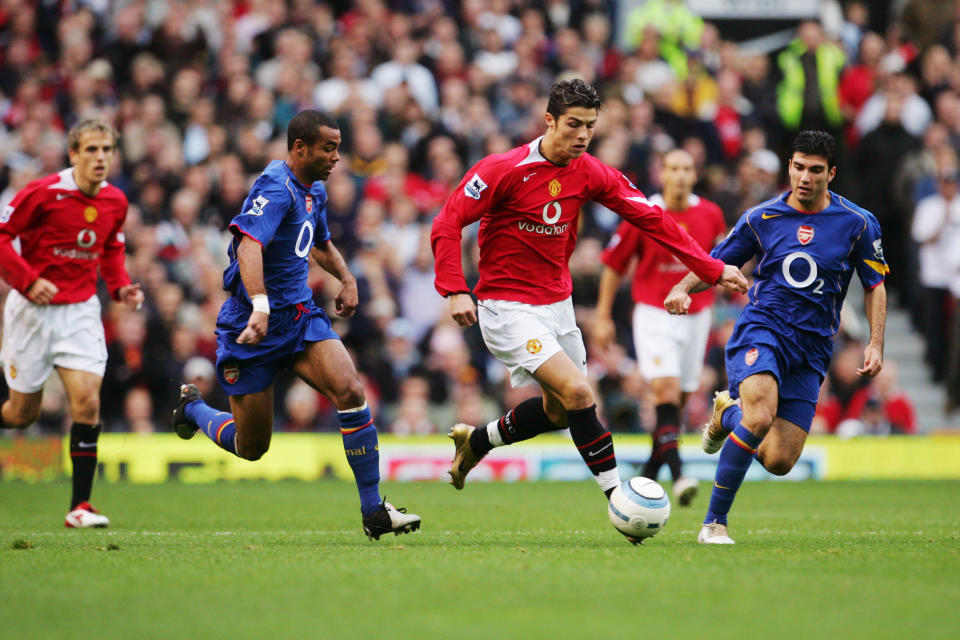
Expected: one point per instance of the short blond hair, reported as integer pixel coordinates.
(90, 124)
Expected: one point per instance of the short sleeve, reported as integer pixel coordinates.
(740, 245)
(871, 266)
(263, 211)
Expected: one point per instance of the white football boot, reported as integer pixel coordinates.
(685, 490)
(714, 533)
(389, 519)
(84, 516)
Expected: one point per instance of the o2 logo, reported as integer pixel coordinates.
(302, 248)
(811, 276)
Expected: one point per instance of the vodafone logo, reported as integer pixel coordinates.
(751, 356)
(86, 238)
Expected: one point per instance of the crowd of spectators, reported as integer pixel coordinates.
(202, 90)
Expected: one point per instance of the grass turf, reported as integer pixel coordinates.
(288, 560)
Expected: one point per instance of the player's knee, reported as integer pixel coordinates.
(758, 420)
(779, 465)
(86, 408)
(21, 419)
(577, 394)
(351, 395)
(252, 450)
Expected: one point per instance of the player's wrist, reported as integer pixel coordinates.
(260, 303)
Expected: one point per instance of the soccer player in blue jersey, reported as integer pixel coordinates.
(270, 321)
(808, 242)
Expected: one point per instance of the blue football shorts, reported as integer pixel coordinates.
(798, 368)
(249, 368)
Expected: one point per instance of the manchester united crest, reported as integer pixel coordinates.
(90, 214)
(309, 202)
(805, 234)
(554, 187)
(534, 346)
(13, 371)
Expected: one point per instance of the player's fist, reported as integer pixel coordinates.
(604, 331)
(872, 361)
(347, 298)
(42, 292)
(677, 301)
(132, 296)
(256, 328)
(462, 309)
(732, 279)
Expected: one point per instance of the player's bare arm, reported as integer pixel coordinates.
(604, 331)
(250, 259)
(331, 260)
(678, 300)
(875, 305)
(42, 292)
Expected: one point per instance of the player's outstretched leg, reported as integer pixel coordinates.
(362, 448)
(595, 445)
(192, 413)
(471, 444)
(83, 455)
(735, 459)
(726, 416)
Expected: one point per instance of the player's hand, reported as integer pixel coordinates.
(678, 301)
(462, 309)
(872, 361)
(732, 279)
(132, 296)
(347, 298)
(42, 292)
(256, 328)
(604, 331)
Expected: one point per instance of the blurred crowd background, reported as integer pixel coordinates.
(202, 91)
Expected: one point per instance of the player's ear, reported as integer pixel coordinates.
(831, 174)
(549, 119)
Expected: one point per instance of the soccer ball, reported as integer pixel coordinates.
(639, 508)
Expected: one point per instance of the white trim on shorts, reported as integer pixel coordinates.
(671, 346)
(38, 338)
(524, 336)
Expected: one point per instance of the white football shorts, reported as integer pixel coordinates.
(35, 339)
(671, 346)
(524, 336)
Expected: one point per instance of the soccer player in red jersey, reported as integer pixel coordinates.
(669, 349)
(528, 201)
(69, 225)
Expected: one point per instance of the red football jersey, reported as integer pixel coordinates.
(65, 236)
(657, 269)
(528, 209)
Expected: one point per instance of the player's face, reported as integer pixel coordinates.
(319, 158)
(91, 159)
(679, 175)
(809, 178)
(571, 133)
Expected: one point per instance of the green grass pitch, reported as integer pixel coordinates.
(288, 560)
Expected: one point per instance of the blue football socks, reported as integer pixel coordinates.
(735, 459)
(363, 453)
(217, 425)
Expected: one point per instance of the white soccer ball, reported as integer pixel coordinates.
(639, 508)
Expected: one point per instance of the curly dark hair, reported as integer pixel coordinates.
(306, 126)
(572, 93)
(816, 143)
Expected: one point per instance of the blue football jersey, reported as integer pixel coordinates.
(804, 262)
(287, 219)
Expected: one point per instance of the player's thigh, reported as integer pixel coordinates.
(253, 419)
(522, 336)
(78, 341)
(27, 339)
(665, 390)
(782, 446)
(563, 379)
(327, 367)
(758, 400)
(83, 394)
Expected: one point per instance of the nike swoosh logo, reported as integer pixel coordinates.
(767, 216)
(525, 178)
(606, 446)
(86, 445)
(61, 196)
